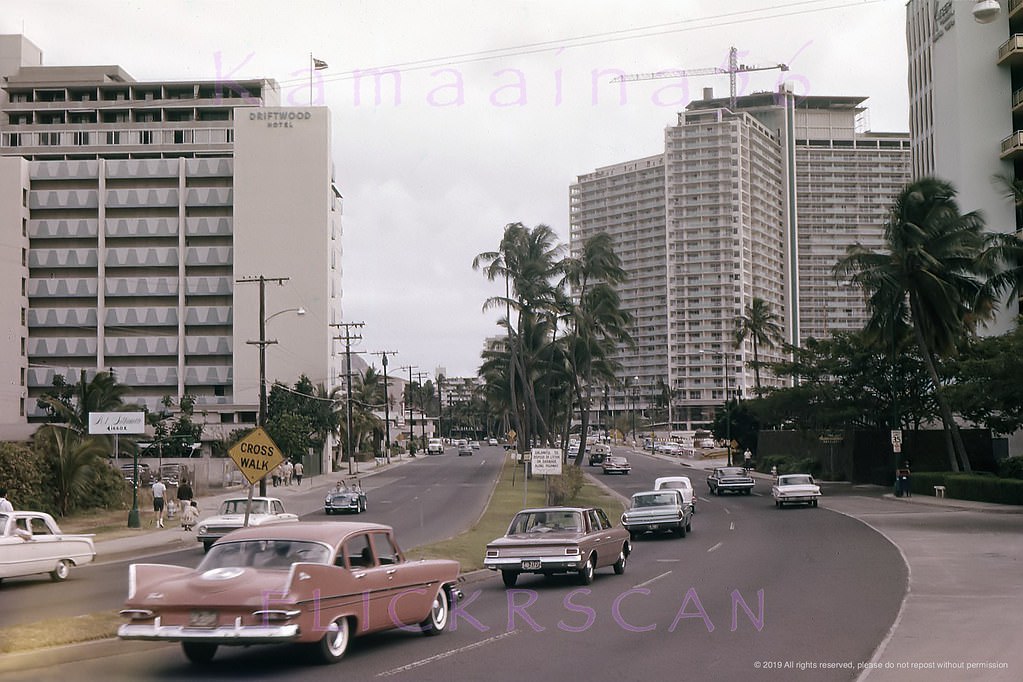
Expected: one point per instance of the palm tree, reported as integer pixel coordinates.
(935, 277)
(75, 458)
(530, 261)
(761, 325)
(597, 323)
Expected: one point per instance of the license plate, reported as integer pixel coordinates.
(531, 565)
(202, 619)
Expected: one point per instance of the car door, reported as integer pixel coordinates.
(599, 537)
(372, 582)
(409, 597)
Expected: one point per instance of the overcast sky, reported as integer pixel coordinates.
(498, 110)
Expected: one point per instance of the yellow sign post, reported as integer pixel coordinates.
(256, 455)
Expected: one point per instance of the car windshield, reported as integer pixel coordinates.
(681, 485)
(801, 479)
(654, 500)
(238, 507)
(264, 554)
(732, 471)
(546, 522)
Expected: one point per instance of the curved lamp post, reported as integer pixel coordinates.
(263, 343)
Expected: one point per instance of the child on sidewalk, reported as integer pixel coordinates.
(189, 515)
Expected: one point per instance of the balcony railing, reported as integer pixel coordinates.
(1011, 51)
(1012, 146)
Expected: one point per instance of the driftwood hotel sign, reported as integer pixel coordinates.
(117, 422)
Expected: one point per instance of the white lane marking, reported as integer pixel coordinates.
(731, 526)
(669, 561)
(715, 547)
(726, 511)
(445, 654)
(652, 580)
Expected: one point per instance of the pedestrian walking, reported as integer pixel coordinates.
(289, 469)
(159, 491)
(747, 460)
(185, 493)
(275, 475)
(299, 469)
(902, 481)
(5, 504)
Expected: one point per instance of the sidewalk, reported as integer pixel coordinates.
(149, 540)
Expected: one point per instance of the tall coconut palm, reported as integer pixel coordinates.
(597, 323)
(761, 325)
(530, 261)
(935, 276)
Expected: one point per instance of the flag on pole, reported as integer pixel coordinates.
(319, 64)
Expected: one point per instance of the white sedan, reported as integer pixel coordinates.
(31, 542)
(795, 489)
(681, 483)
(231, 516)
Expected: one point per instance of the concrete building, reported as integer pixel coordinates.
(138, 219)
(966, 114)
(758, 202)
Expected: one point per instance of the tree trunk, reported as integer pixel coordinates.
(956, 448)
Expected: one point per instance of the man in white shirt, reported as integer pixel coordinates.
(159, 490)
(5, 504)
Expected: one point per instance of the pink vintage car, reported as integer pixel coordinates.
(316, 583)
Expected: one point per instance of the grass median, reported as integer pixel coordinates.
(467, 548)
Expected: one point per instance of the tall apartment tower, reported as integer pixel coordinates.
(966, 108)
(137, 218)
(759, 202)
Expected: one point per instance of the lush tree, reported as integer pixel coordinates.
(988, 375)
(74, 460)
(761, 325)
(936, 275)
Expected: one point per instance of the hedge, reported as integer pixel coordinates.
(977, 487)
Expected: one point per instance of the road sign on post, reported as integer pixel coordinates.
(896, 440)
(546, 461)
(256, 455)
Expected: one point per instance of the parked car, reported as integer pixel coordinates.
(345, 498)
(681, 483)
(552, 540)
(658, 511)
(465, 449)
(290, 582)
(492, 441)
(474, 444)
(795, 489)
(730, 479)
(171, 474)
(231, 516)
(145, 473)
(435, 446)
(616, 464)
(31, 542)
(598, 452)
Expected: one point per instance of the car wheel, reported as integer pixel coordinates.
(815, 503)
(199, 652)
(509, 578)
(61, 572)
(438, 618)
(633, 535)
(586, 572)
(328, 512)
(620, 564)
(689, 525)
(681, 530)
(332, 647)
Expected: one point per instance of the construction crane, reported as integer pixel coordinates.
(734, 67)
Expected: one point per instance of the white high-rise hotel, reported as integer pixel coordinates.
(758, 201)
(135, 217)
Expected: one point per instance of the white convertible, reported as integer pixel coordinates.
(232, 517)
(31, 542)
(795, 489)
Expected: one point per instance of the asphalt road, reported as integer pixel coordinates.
(414, 498)
(750, 588)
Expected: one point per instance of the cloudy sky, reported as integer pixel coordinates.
(496, 109)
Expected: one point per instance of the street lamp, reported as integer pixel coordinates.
(263, 343)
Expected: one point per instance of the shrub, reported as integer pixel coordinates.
(23, 472)
(565, 486)
(1011, 468)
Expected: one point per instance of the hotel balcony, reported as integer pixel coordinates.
(1012, 146)
(1010, 53)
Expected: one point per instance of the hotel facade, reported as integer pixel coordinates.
(758, 201)
(142, 221)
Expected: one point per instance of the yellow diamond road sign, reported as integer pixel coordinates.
(256, 455)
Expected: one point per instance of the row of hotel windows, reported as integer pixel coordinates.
(79, 138)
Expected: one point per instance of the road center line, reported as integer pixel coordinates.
(437, 657)
(652, 580)
(715, 547)
(731, 526)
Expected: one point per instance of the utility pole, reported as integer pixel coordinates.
(422, 407)
(262, 343)
(348, 337)
(440, 406)
(411, 414)
(387, 405)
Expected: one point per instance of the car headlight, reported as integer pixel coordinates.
(202, 530)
